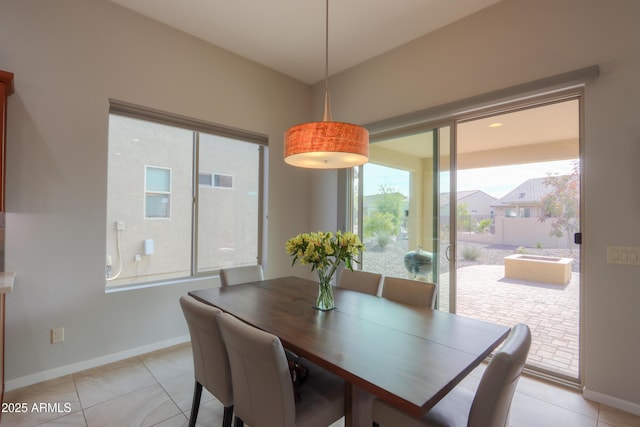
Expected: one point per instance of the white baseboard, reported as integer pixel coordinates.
(91, 363)
(614, 402)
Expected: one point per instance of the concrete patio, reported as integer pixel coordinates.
(551, 311)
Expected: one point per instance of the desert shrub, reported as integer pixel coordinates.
(484, 224)
(381, 226)
(471, 253)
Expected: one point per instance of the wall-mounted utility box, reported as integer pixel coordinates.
(148, 247)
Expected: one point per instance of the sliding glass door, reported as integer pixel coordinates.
(397, 209)
(518, 210)
(481, 206)
(446, 221)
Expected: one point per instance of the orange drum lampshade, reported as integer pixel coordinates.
(326, 145)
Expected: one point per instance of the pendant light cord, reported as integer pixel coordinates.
(326, 115)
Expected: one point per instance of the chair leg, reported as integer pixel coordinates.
(195, 405)
(375, 424)
(239, 422)
(228, 416)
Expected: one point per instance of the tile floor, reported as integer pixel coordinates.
(155, 389)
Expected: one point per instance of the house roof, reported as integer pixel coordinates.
(529, 192)
(461, 195)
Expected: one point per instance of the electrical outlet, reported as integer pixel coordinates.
(138, 257)
(120, 226)
(57, 335)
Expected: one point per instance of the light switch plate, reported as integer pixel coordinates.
(627, 255)
(57, 335)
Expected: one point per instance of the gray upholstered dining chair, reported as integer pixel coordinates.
(488, 407)
(262, 387)
(210, 363)
(408, 291)
(360, 281)
(237, 275)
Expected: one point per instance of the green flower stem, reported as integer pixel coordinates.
(325, 290)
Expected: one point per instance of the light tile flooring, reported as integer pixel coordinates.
(156, 390)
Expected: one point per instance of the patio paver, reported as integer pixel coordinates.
(551, 311)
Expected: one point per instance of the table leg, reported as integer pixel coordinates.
(357, 406)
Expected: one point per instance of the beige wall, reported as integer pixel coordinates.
(69, 57)
(529, 232)
(518, 41)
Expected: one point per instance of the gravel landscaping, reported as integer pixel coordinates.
(390, 259)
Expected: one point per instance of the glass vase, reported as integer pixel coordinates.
(325, 300)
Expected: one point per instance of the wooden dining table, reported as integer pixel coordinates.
(408, 356)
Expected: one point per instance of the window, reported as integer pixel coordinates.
(157, 198)
(205, 179)
(198, 222)
(215, 180)
(223, 181)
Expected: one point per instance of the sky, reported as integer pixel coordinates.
(495, 181)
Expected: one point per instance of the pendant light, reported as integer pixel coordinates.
(326, 144)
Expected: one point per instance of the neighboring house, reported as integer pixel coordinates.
(524, 201)
(517, 217)
(478, 203)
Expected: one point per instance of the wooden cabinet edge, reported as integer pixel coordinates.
(6, 89)
(7, 279)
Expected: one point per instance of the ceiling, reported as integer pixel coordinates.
(556, 123)
(289, 35)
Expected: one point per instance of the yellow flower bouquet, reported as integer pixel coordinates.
(325, 251)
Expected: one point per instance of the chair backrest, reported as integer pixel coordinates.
(361, 281)
(408, 291)
(262, 387)
(236, 275)
(210, 362)
(492, 402)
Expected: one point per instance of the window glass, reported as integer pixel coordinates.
(157, 197)
(228, 211)
(385, 218)
(158, 179)
(151, 174)
(205, 179)
(157, 206)
(223, 181)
